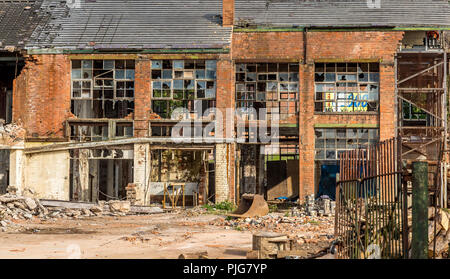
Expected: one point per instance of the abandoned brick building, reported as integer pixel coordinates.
(88, 89)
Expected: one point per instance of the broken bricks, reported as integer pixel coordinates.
(18, 207)
(119, 206)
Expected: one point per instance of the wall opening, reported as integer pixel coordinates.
(191, 167)
(100, 174)
(10, 66)
(4, 170)
(282, 171)
(330, 143)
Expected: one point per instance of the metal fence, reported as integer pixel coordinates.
(371, 218)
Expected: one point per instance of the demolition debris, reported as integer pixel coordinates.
(14, 207)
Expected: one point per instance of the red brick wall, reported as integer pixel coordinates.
(228, 13)
(265, 46)
(344, 47)
(353, 45)
(225, 97)
(331, 47)
(41, 99)
(142, 97)
(42, 91)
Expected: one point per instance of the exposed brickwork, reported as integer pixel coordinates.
(222, 172)
(42, 96)
(225, 96)
(42, 90)
(228, 13)
(142, 97)
(388, 116)
(344, 47)
(264, 46)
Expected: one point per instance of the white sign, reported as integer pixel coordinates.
(157, 188)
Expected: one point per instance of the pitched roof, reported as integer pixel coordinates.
(342, 13)
(132, 24)
(18, 19)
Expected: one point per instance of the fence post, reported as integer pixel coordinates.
(419, 244)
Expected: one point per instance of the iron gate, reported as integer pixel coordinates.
(371, 212)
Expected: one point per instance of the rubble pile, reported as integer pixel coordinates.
(14, 208)
(440, 225)
(11, 133)
(323, 206)
(307, 228)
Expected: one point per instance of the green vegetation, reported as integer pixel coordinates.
(273, 208)
(220, 207)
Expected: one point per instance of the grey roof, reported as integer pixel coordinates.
(135, 24)
(18, 19)
(342, 13)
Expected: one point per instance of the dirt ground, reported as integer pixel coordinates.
(156, 236)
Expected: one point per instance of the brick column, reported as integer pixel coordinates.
(142, 97)
(228, 13)
(306, 133)
(142, 170)
(224, 173)
(225, 153)
(225, 97)
(388, 116)
(16, 169)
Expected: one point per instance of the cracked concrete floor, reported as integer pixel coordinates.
(158, 236)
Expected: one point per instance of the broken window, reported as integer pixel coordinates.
(102, 88)
(281, 152)
(99, 131)
(330, 143)
(413, 113)
(178, 83)
(347, 87)
(268, 86)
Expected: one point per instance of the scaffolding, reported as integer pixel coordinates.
(421, 96)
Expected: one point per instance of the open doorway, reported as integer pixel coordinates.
(282, 172)
(4, 170)
(100, 174)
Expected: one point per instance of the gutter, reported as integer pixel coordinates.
(37, 51)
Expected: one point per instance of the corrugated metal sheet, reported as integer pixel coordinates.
(342, 13)
(134, 24)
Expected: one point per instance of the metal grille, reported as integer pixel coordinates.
(370, 217)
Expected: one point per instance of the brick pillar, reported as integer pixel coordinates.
(306, 124)
(16, 169)
(225, 97)
(224, 172)
(228, 13)
(388, 116)
(142, 97)
(142, 170)
(225, 153)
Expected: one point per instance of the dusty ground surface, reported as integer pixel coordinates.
(163, 236)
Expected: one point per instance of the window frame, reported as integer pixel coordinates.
(92, 88)
(327, 139)
(331, 78)
(246, 98)
(189, 95)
